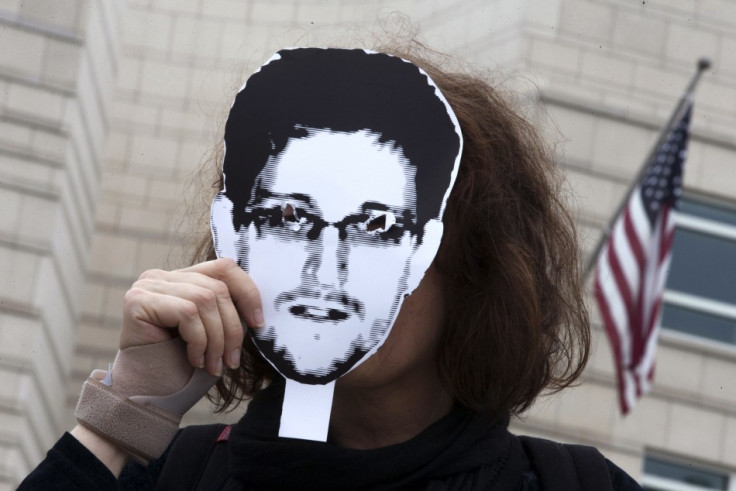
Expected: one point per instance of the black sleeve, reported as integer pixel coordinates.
(621, 480)
(137, 477)
(70, 466)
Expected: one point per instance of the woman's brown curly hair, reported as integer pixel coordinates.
(508, 261)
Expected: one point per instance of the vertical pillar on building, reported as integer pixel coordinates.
(57, 66)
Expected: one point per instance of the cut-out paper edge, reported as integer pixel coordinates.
(306, 410)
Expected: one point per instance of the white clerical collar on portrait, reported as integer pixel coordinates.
(338, 165)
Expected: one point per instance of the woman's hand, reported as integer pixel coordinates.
(203, 304)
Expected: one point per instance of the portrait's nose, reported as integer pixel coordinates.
(327, 263)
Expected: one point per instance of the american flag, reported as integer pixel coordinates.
(633, 264)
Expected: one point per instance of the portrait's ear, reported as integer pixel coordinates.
(225, 237)
(424, 253)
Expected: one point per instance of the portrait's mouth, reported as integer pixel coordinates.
(318, 314)
(308, 304)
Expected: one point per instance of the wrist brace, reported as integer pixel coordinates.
(139, 402)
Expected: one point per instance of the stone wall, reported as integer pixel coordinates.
(58, 64)
(610, 74)
(600, 77)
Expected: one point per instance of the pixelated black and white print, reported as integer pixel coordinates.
(329, 194)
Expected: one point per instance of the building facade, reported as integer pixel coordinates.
(110, 111)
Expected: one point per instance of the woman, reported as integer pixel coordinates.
(497, 319)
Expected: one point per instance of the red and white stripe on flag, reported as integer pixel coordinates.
(632, 266)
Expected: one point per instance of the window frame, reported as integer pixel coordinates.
(664, 483)
(696, 303)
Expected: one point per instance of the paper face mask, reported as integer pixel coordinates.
(337, 168)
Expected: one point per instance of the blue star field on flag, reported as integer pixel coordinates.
(662, 181)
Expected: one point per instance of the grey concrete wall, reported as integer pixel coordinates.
(599, 76)
(58, 63)
(610, 73)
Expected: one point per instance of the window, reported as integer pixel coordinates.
(700, 298)
(662, 474)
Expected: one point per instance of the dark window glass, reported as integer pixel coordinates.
(703, 265)
(716, 213)
(686, 473)
(699, 323)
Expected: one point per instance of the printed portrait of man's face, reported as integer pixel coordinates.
(337, 168)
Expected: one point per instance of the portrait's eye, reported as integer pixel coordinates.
(288, 212)
(290, 218)
(380, 223)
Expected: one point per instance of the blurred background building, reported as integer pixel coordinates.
(108, 109)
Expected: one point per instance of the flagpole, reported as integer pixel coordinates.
(682, 106)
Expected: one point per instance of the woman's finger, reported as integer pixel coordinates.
(243, 290)
(194, 287)
(147, 314)
(217, 294)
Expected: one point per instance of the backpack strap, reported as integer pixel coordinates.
(216, 470)
(567, 467)
(194, 457)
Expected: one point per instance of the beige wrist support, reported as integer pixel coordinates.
(139, 404)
